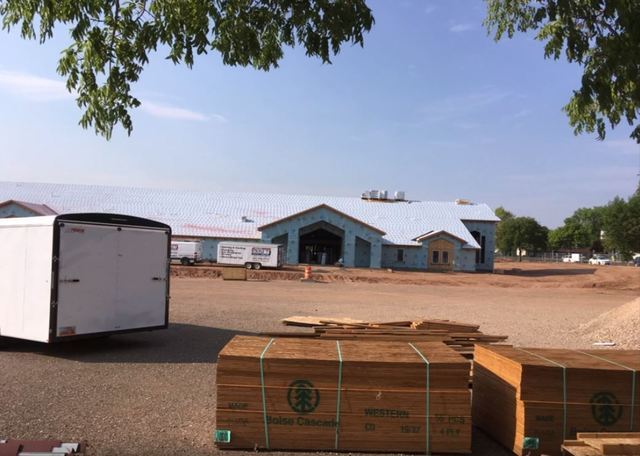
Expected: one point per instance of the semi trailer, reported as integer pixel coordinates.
(80, 275)
(251, 255)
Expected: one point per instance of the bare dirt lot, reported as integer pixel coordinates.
(154, 393)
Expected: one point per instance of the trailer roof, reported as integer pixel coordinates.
(238, 215)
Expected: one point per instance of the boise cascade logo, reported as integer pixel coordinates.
(303, 397)
(605, 408)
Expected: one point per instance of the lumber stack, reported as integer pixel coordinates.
(307, 394)
(531, 400)
(603, 443)
(459, 336)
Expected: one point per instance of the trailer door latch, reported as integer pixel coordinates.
(69, 280)
(159, 279)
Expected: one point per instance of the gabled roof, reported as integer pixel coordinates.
(432, 234)
(238, 215)
(313, 209)
(38, 209)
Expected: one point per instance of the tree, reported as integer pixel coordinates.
(603, 36)
(503, 214)
(581, 230)
(622, 225)
(517, 234)
(111, 40)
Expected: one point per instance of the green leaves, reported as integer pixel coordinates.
(111, 40)
(603, 36)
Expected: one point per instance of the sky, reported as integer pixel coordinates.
(430, 105)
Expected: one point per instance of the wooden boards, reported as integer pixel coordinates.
(310, 394)
(460, 336)
(603, 444)
(531, 400)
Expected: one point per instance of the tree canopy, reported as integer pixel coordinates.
(111, 40)
(603, 36)
(517, 234)
(581, 230)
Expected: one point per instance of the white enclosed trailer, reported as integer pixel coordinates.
(186, 252)
(251, 255)
(78, 275)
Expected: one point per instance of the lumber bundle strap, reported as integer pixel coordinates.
(264, 393)
(427, 404)
(564, 388)
(633, 383)
(338, 400)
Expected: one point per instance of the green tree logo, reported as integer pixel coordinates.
(605, 408)
(303, 397)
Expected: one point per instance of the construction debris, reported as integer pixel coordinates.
(301, 394)
(531, 400)
(12, 447)
(459, 336)
(603, 443)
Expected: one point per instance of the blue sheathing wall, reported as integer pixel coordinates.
(414, 257)
(13, 210)
(351, 228)
(488, 230)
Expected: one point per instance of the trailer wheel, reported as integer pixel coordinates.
(184, 261)
(248, 265)
(257, 265)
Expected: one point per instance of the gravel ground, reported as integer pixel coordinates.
(620, 326)
(154, 393)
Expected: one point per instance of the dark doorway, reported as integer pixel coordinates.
(320, 247)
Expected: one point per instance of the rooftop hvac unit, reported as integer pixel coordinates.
(374, 194)
(399, 195)
(366, 194)
(463, 202)
(384, 194)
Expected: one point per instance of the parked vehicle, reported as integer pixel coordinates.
(600, 259)
(574, 258)
(79, 275)
(187, 252)
(635, 262)
(251, 255)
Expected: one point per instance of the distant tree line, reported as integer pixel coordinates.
(614, 227)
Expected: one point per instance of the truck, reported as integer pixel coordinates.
(574, 258)
(186, 252)
(251, 255)
(72, 276)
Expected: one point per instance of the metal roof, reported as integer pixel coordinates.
(221, 214)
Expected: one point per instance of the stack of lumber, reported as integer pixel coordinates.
(603, 443)
(307, 394)
(459, 336)
(531, 400)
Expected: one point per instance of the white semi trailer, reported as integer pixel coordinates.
(78, 275)
(251, 255)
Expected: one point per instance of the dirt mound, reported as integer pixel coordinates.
(620, 325)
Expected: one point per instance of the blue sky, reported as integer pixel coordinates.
(431, 105)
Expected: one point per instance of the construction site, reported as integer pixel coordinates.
(158, 392)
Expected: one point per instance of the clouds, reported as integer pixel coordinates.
(166, 111)
(33, 88)
(42, 90)
(459, 28)
(458, 107)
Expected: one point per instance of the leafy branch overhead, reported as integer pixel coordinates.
(111, 40)
(603, 36)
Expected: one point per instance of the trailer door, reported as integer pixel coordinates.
(141, 295)
(86, 279)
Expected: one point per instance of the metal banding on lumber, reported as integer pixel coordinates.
(428, 411)
(339, 392)
(564, 388)
(633, 384)
(264, 397)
